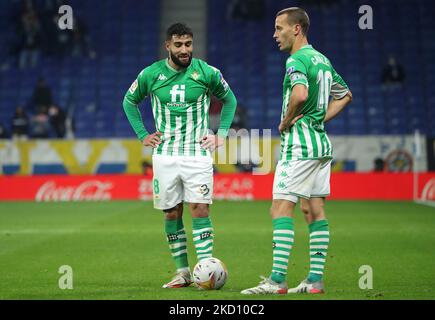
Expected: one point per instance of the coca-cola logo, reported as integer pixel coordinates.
(428, 192)
(91, 190)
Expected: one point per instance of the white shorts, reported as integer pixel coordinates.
(181, 178)
(301, 179)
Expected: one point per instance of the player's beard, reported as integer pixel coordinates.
(178, 62)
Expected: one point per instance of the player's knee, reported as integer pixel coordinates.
(305, 208)
(318, 212)
(199, 210)
(281, 208)
(173, 213)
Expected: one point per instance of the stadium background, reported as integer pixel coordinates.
(98, 157)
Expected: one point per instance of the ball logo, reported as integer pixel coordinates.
(89, 190)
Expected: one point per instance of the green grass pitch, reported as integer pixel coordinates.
(117, 250)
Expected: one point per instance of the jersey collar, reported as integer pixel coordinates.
(307, 46)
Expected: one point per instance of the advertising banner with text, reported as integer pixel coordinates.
(344, 186)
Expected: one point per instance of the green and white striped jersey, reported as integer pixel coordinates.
(307, 139)
(180, 102)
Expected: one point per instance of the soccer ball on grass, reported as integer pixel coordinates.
(210, 274)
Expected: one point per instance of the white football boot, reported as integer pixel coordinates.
(267, 286)
(308, 287)
(180, 280)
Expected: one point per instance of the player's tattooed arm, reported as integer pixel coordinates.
(297, 99)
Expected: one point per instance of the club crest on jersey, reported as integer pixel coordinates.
(195, 75)
(133, 87)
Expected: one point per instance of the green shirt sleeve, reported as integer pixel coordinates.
(339, 88)
(221, 90)
(137, 92)
(218, 86)
(227, 113)
(296, 72)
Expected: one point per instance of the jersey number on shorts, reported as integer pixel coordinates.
(156, 186)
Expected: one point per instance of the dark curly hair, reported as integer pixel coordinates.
(178, 29)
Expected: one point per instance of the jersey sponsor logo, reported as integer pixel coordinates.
(172, 237)
(205, 235)
(162, 77)
(178, 90)
(133, 87)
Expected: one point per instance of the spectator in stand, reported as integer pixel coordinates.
(49, 26)
(42, 97)
(80, 40)
(246, 9)
(30, 34)
(20, 124)
(40, 125)
(57, 120)
(3, 132)
(379, 165)
(393, 74)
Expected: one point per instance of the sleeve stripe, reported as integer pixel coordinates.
(340, 91)
(340, 96)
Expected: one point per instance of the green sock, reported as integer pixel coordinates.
(177, 243)
(203, 237)
(283, 236)
(319, 241)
